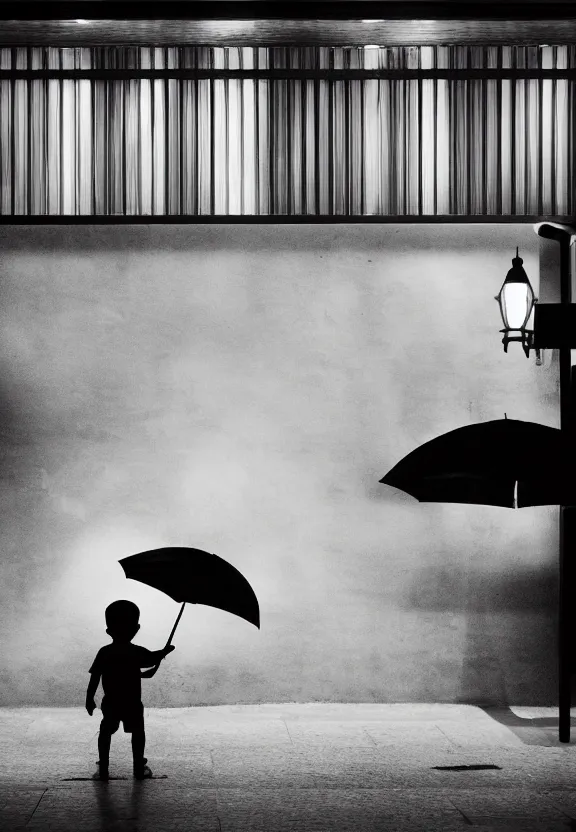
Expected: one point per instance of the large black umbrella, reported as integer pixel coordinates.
(505, 462)
(193, 576)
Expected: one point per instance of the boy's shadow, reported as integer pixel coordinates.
(120, 809)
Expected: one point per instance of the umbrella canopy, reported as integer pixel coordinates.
(505, 462)
(195, 577)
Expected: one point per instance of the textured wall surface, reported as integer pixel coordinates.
(242, 390)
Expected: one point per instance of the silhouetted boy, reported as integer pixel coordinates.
(118, 665)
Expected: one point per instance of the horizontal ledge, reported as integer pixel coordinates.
(287, 74)
(269, 219)
(281, 10)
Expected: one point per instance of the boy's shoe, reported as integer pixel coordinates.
(142, 771)
(101, 772)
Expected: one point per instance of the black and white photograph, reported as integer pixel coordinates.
(287, 416)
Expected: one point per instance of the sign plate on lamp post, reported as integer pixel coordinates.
(554, 326)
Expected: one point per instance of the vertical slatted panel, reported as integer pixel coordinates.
(357, 178)
(265, 204)
(21, 138)
(116, 147)
(133, 132)
(412, 156)
(233, 149)
(173, 138)
(560, 115)
(324, 161)
(159, 155)
(248, 137)
(6, 132)
(428, 147)
(204, 169)
(310, 146)
(145, 166)
(571, 143)
(68, 147)
(38, 143)
(507, 138)
(547, 95)
(476, 137)
(221, 165)
(255, 147)
(372, 93)
(54, 139)
(460, 149)
(442, 119)
(84, 184)
(492, 144)
(519, 114)
(99, 141)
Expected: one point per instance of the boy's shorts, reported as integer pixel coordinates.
(130, 714)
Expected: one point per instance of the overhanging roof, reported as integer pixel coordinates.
(264, 22)
(296, 10)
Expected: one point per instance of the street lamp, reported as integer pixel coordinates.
(516, 301)
(554, 328)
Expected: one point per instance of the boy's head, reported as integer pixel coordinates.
(122, 620)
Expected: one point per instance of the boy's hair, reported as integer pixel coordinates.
(122, 615)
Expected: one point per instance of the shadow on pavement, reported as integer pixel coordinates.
(532, 731)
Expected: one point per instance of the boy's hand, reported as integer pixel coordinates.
(90, 706)
(168, 649)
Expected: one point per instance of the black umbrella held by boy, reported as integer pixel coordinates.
(193, 576)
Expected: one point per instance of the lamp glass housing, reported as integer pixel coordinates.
(516, 302)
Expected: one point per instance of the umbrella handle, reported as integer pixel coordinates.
(147, 674)
(169, 642)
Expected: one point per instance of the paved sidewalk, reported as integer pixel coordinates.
(274, 768)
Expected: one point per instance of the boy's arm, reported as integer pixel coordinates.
(150, 658)
(91, 692)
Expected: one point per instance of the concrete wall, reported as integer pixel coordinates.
(242, 389)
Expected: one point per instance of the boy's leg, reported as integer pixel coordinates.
(141, 770)
(108, 726)
(138, 745)
(104, 740)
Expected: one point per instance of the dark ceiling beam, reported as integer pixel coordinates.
(286, 32)
(267, 10)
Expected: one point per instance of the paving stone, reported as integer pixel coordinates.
(274, 768)
(482, 803)
(403, 734)
(328, 732)
(485, 734)
(506, 824)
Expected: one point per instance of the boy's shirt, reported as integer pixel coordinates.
(119, 666)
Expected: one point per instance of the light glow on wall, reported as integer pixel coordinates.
(144, 412)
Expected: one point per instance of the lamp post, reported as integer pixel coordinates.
(553, 328)
(562, 234)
